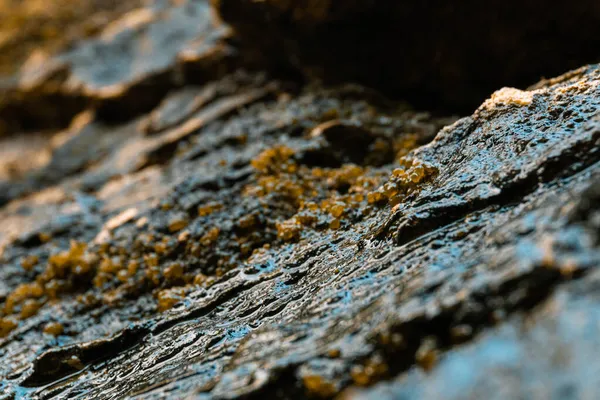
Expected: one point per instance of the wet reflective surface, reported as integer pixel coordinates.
(247, 236)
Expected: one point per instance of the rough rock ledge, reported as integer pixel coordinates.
(203, 231)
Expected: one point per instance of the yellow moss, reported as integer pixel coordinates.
(359, 376)
(45, 237)
(337, 209)
(307, 217)
(29, 308)
(310, 198)
(273, 159)
(174, 272)
(153, 275)
(209, 208)
(56, 278)
(289, 230)
(404, 144)
(317, 386)
(335, 224)
(427, 353)
(123, 275)
(54, 328)
(73, 260)
(7, 325)
(373, 370)
(194, 249)
(280, 185)
(184, 236)
(310, 205)
(375, 197)
(314, 192)
(22, 293)
(169, 297)
(199, 279)
(29, 262)
(246, 248)
(59, 260)
(178, 223)
(162, 247)
(99, 280)
(247, 221)
(110, 265)
(88, 299)
(345, 175)
(209, 281)
(334, 353)
(151, 260)
(404, 180)
(132, 267)
(53, 288)
(390, 189)
(210, 237)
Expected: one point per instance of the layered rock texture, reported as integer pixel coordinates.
(183, 216)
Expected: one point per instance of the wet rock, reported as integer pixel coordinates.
(245, 237)
(232, 266)
(545, 353)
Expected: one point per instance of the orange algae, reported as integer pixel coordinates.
(273, 160)
(7, 325)
(210, 237)
(317, 386)
(54, 328)
(404, 180)
(29, 262)
(289, 230)
(210, 208)
(177, 224)
(427, 354)
(319, 196)
(169, 297)
(373, 370)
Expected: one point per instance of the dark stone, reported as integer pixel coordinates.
(253, 238)
(495, 232)
(436, 54)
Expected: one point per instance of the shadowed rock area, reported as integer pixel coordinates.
(437, 54)
(203, 229)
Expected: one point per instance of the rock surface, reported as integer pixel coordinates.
(243, 236)
(144, 53)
